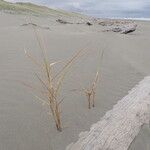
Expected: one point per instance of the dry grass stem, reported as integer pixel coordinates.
(50, 81)
(91, 91)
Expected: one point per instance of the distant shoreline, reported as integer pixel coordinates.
(137, 19)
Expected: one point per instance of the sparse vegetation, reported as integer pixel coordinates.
(30, 8)
(91, 91)
(52, 82)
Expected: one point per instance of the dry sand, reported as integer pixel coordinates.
(24, 123)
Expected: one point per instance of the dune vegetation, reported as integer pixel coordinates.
(30, 8)
(52, 82)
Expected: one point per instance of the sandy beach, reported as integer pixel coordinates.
(24, 122)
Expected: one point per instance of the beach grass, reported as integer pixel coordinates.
(52, 82)
(33, 9)
(90, 92)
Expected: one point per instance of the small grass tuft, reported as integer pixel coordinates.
(91, 91)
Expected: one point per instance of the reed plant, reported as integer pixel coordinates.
(90, 92)
(51, 81)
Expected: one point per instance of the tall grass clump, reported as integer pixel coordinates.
(51, 81)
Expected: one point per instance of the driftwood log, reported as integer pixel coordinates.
(89, 24)
(110, 22)
(66, 22)
(124, 29)
(63, 21)
(118, 128)
(129, 29)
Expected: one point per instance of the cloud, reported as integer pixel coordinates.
(99, 7)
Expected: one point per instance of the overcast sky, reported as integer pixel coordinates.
(101, 8)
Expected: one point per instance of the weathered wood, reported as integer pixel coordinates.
(116, 29)
(89, 23)
(118, 128)
(112, 22)
(124, 29)
(129, 29)
(63, 21)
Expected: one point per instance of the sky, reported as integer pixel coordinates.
(101, 8)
